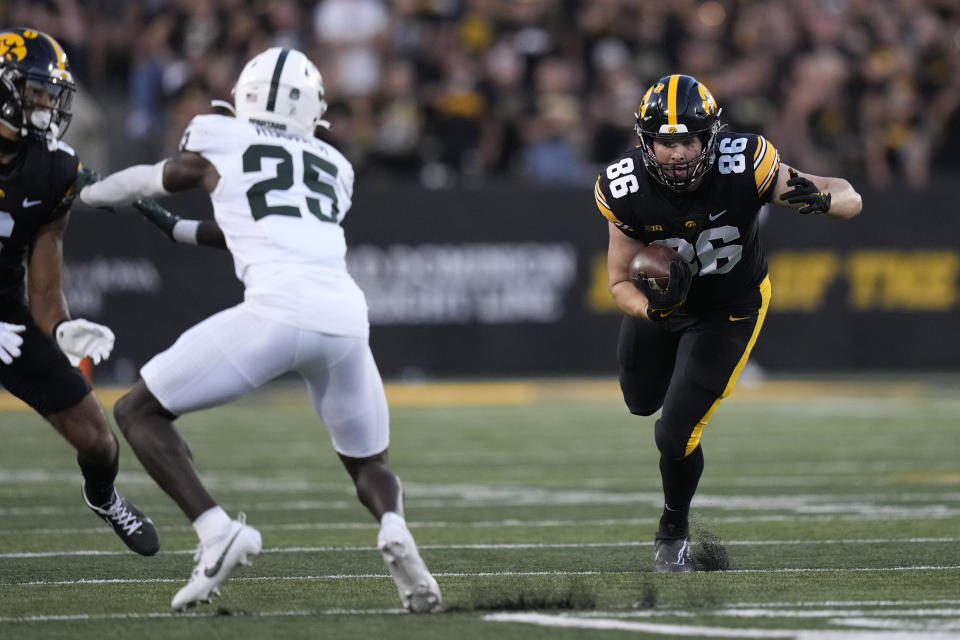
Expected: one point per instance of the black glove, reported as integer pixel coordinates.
(662, 302)
(157, 215)
(806, 193)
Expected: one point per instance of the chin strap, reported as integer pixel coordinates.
(53, 136)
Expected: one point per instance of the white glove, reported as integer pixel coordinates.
(10, 341)
(79, 339)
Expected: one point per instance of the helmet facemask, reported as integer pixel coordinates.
(687, 174)
(46, 106)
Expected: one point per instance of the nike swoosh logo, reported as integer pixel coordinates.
(714, 216)
(732, 319)
(29, 203)
(664, 314)
(215, 569)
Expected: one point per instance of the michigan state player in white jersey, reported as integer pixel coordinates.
(279, 195)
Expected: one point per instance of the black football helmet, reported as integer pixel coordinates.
(678, 106)
(36, 85)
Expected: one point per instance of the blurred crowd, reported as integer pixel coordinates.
(462, 91)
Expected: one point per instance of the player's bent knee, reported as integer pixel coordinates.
(129, 410)
(643, 410)
(124, 412)
(671, 441)
(640, 399)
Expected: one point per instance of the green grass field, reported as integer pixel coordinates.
(534, 503)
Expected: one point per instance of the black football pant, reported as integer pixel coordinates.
(687, 365)
(42, 376)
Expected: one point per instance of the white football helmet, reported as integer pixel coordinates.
(282, 89)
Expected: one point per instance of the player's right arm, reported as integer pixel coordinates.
(138, 185)
(620, 252)
(622, 247)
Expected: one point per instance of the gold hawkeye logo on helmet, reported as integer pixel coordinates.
(709, 104)
(12, 46)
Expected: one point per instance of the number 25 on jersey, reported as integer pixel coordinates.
(314, 170)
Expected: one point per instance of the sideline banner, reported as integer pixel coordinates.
(511, 280)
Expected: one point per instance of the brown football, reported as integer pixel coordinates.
(653, 263)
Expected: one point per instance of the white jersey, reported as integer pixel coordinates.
(279, 202)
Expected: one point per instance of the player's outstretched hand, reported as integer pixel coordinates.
(10, 341)
(79, 339)
(662, 302)
(806, 193)
(86, 177)
(157, 215)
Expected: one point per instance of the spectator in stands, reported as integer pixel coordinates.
(885, 88)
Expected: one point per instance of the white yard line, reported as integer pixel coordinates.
(492, 546)
(615, 619)
(478, 574)
(576, 622)
(197, 614)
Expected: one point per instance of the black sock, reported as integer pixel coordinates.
(680, 480)
(98, 478)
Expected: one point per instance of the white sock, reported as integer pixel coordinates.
(392, 518)
(211, 524)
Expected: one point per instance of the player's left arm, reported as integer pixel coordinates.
(48, 305)
(77, 338)
(830, 197)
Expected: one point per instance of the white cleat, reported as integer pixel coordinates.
(418, 589)
(217, 562)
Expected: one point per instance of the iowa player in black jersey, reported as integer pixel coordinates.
(39, 178)
(697, 189)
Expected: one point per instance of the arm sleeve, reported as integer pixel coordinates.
(126, 186)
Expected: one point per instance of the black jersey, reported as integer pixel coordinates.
(35, 190)
(714, 228)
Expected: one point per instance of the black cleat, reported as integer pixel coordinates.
(672, 555)
(135, 529)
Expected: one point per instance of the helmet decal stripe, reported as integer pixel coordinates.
(672, 99)
(275, 81)
(61, 56)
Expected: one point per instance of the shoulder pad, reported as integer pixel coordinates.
(766, 165)
(209, 132)
(63, 146)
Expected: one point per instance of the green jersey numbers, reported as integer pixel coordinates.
(318, 176)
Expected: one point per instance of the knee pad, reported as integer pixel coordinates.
(639, 398)
(638, 409)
